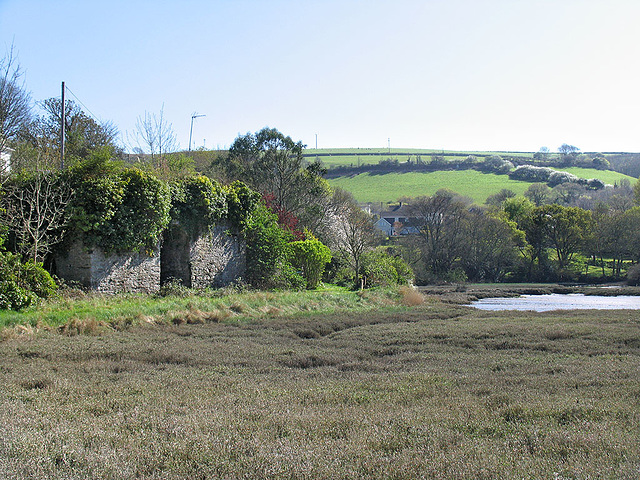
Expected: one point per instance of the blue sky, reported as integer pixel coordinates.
(450, 74)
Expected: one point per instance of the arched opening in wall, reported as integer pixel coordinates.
(175, 262)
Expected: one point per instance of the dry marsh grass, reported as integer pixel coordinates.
(437, 391)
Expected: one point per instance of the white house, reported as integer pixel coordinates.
(396, 221)
(5, 160)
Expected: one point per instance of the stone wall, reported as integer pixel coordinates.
(215, 259)
(92, 268)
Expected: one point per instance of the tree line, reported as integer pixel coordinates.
(538, 237)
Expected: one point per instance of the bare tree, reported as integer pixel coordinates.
(439, 220)
(153, 135)
(355, 234)
(15, 101)
(35, 211)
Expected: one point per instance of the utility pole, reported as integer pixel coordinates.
(195, 115)
(63, 126)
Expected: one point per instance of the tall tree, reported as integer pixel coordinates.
(15, 101)
(272, 163)
(439, 219)
(356, 234)
(568, 153)
(568, 230)
(538, 193)
(84, 135)
(490, 246)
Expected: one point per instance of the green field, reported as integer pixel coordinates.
(389, 187)
(430, 391)
(607, 176)
(347, 157)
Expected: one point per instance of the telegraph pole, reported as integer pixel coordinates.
(62, 129)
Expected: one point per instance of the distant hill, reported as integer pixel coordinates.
(380, 175)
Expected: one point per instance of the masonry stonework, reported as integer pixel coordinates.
(110, 273)
(215, 259)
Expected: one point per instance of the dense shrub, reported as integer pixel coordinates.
(287, 277)
(197, 203)
(529, 173)
(557, 178)
(496, 164)
(380, 268)
(600, 162)
(37, 280)
(266, 248)
(633, 275)
(241, 202)
(21, 283)
(310, 256)
(595, 184)
(117, 208)
(13, 296)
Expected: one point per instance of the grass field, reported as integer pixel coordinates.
(77, 311)
(607, 176)
(391, 186)
(341, 157)
(353, 157)
(472, 183)
(431, 391)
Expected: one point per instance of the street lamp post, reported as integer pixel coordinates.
(195, 115)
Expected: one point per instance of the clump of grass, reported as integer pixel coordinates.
(36, 384)
(16, 332)
(82, 326)
(410, 296)
(217, 316)
(238, 307)
(192, 316)
(271, 310)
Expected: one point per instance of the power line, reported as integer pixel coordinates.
(85, 107)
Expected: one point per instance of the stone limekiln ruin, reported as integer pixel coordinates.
(214, 259)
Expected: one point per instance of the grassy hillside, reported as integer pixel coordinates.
(345, 157)
(389, 187)
(607, 176)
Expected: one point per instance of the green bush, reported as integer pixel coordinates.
(197, 203)
(21, 284)
(310, 256)
(380, 268)
(266, 247)
(633, 275)
(38, 280)
(377, 269)
(403, 270)
(287, 277)
(116, 208)
(241, 202)
(13, 296)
